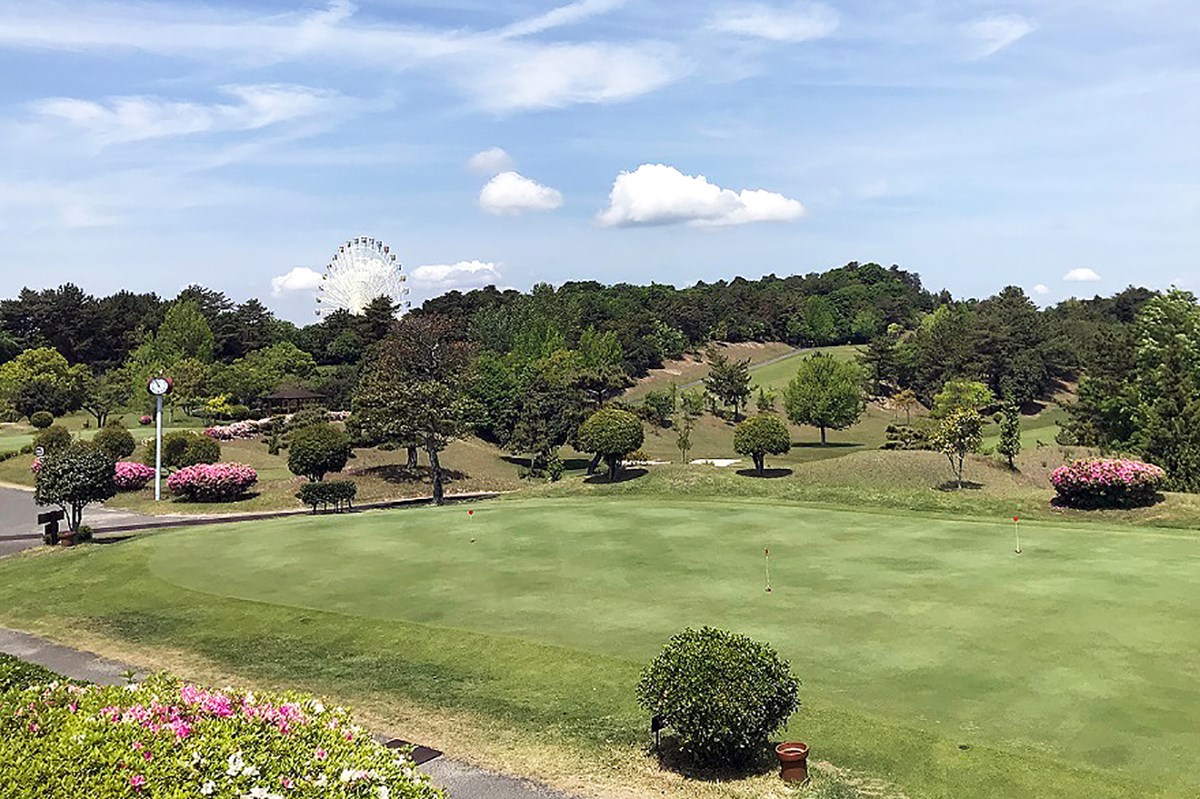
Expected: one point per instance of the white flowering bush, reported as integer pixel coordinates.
(169, 739)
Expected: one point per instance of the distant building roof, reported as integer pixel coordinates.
(294, 393)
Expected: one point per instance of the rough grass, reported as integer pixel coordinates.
(1065, 672)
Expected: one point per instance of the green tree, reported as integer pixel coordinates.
(413, 391)
(760, 436)
(316, 450)
(825, 393)
(906, 400)
(1010, 433)
(189, 384)
(728, 381)
(612, 434)
(73, 478)
(959, 434)
(40, 379)
(1170, 423)
(765, 398)
(684, 425)
(106, 394)
(546, 412)
(959, 395)
(184, 333)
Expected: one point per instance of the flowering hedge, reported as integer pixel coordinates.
(238, 431)
(1108, 483)
(212, 482)
(36, 466)
(164, 738)
(131, 476)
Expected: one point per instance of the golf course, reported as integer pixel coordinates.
(928, 650)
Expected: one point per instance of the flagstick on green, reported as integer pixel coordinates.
(1017, 530)
(767, 565)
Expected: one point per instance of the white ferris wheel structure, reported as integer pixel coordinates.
(362, 269)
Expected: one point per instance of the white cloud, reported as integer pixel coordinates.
(300, 278)
(1082, 275)
(1041, 288)
(801, 22)
(491, 161)
(657, 194)
(558, 17)
(123, 119)
(522, 77)
(993, 33)
(462, 275)
(513, 193)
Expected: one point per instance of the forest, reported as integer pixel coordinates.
(1127, 366)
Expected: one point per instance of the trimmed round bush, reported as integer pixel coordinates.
(184, 448)
(115, 441)
(760, 436)
(131, 476)
(212, 482)
(54, 438)
(721, 693)
(612, 434)
(41, 419)
(1108, 483)
(317, 450)
(166, 738)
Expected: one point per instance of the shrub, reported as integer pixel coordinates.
(1108, 483)
(760, 436)
(131, 476)
(611, 433)
(307, 418)
(184, 448)
(54, 438)
(15, 673)
(338, 493)
(145, 419)
(316, 450)
(73, 478)
(41, 419)
(173, 739)
(906, 436)
(721, 693)
(212, 482)
(115, 441)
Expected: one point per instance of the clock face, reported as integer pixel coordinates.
(159, 386)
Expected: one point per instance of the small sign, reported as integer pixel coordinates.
(39, 452)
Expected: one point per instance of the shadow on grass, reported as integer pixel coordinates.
(401, 474)
(569, 464)
(671, 759)
(766, 473)
(1061, 504)
(830, 445)
(623, 476)
(967, 485)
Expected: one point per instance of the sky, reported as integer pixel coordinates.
(1049, 144)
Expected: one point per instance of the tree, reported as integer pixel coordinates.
(185, 332)
(40, 379)
(105, 394)
(760, 436)
(825, 393)
(958, 395)
(1010, 433)
(683, 435)
(317, 450)
(74, 478)
(1170, 424)
(728, 381)
(413, 390)
(906, 400)
(189, 384)
(959, 434)
(880, 363)
(764, 399)
(546, 413)
(612, 434)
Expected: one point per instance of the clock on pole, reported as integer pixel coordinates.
(158, 387)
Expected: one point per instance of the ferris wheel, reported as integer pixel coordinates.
(361, 270)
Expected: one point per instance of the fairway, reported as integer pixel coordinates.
(1082, 648)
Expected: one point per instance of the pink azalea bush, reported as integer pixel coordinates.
(36, 466)
(145, 419)
(238, 431)
(212, 482)
(167, 738)
(131, 476)
(1108, 483)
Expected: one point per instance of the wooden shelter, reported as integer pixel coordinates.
(290, 399)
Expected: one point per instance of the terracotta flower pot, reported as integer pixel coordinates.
(793, 761)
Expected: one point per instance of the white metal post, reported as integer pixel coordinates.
(158, 450)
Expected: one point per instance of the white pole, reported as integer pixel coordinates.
(158, 450)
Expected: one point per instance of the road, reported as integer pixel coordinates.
(18, 519)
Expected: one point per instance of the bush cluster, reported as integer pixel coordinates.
(41, 419)
(54, 438)
(184, 448)
(906, 436)
(115, 441)
(338, 494)
(1108, 483)
(212, 482)
(132, 476)
(169, 738)
(721, 693)
(16, 673)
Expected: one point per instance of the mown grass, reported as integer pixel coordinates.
(1066, 672)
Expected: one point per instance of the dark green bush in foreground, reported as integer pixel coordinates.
(722, 694)
(336, 493)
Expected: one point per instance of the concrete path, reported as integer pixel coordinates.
(460, 780)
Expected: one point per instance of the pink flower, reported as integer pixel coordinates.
(137, 781)
(321, 754)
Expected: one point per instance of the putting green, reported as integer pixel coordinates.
(1082, 649)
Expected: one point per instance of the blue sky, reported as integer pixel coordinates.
(148, 145)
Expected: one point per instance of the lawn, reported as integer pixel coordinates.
(1067, 671)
